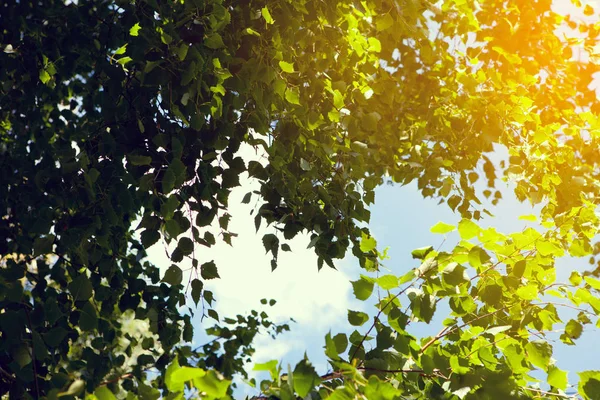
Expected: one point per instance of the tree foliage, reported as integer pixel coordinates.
(121, 124)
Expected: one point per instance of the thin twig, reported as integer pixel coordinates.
(377, 319)
(564, 396)
(446, 331)
(338, 374)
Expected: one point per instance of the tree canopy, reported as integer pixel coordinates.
(121, 124)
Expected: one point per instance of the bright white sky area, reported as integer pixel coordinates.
(318, 300)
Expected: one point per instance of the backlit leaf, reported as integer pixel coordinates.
(442, 228)
(362, 288)
(305, 378)
(286, 67)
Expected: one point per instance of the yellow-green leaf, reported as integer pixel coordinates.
(121, 50)
(468, 229)
(557, 378)
(442, 228)
(286, 67)
(266, 14)
(292, 96)
(44, 76)
(134, 30)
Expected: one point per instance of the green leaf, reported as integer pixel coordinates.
(305, 378)
(168, 181)
(428, 266)
(271, 244)
(213, 384)
(209, 271)
(423, 306)
(407, 277)
(341, 342)
(81, 288)
(338, 103)
(363, 288)
(186, 374)
(21, 355)
(121, 50)
(557, 378)
(468, 229)
(197, 287)
(491, 294)
(182, 51)
(270, 366)
(267, 15)
(589, 384)
(173, 386)
(189, 74)
(214, 41)
(357, 318)
(374, 45)
(149, 237)
(292, 96)
(88, 319)
(172, 227)
(593, 282)
(43, 245)
(384, 22)
(515, 358)
(173, 275)
(44, 76)
(342, 393)
(134, 30)
(250, 31)
(124, 60)
(39, 348)
(286, 67)
(529, 217)
(573, 329)
(387, 282)
(455, 274)
(165, 37)
(186, 245)
(421, 252)
(55, 336)
(247, 198)
(528, 292)
(139, 160)
(75, 388)
(575, 278)
(519, 268)
(367, 243)
(104, 393)
(539, 353)
(141, 126)
(548, 248)
(459, 365)
(305, 165)
(442, 228)
(478, 257)
(330, 347)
